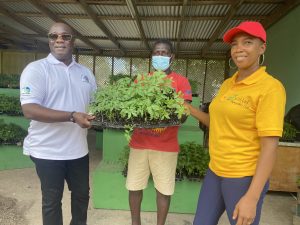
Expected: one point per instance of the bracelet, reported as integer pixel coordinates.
(72, 119)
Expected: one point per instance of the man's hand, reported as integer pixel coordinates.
(83, 119)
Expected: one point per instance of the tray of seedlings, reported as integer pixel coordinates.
(148, 101)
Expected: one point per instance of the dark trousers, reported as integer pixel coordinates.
(219, 194)
(52, 174)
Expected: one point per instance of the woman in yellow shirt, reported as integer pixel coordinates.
(245, 121)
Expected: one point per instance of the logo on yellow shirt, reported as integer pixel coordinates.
(244, 101)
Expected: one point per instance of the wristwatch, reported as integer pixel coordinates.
(72, 119)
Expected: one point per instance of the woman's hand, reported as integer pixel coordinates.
(245, 210)
(196, 113)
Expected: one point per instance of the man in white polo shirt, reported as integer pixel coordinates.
(55, 94)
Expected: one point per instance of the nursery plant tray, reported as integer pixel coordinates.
(98, 124)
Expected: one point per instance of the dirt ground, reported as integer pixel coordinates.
(20, 203)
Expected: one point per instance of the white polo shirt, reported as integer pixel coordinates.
(52, 84)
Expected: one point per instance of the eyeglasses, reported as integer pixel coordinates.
(65, 37)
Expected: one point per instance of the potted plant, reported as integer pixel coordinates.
(194, 160)
(286, 169)
(289, 133)
(181, 162)
(123, 160)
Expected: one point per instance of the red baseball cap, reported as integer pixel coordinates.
(252, 28)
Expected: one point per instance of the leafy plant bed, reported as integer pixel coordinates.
(11, 134)
(10, 105)
(178, 176)
(10, 81)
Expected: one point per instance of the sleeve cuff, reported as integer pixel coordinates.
(266, 133)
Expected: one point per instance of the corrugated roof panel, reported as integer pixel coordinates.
(13, 24)
(231, 24)
(191, 46)
(104, 44)
(22, 6)
(191, 30)
(159, 10)
(208, 10)
(122, 28)
(80, 44)
(219, 47)
(113, 10)
(199, 29)
(86, 27)
(133, 45)
(67, 9)
(44, 22)
(256, 9)
(161, 29)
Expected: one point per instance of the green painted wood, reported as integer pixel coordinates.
(11, 157)
(113, 144)
(99, 140)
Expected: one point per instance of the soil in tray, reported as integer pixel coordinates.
(135, 122)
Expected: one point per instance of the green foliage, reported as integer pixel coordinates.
(10, 105)
(123, 158)
(128, 132)
(149, 100)
(114, 78)
(11, 133)
(193, 160)
(9, 81)
(289, 132)
(151, 97)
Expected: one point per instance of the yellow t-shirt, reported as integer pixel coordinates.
(240, 114)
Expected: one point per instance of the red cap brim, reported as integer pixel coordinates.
(231, 33)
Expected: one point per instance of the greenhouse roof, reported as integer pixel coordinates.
(130, 27)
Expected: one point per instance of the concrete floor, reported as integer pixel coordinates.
(23, 185)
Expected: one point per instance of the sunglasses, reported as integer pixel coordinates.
(65, 37)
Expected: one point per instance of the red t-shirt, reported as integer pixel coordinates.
(165, 138)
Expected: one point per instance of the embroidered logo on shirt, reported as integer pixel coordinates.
(84, 78)
(244, 101)
(26, 91)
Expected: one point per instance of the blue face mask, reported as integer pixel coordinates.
(161, 62)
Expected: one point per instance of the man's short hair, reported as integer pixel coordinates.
(166, 42)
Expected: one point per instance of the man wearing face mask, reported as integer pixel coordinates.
(155, 151)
